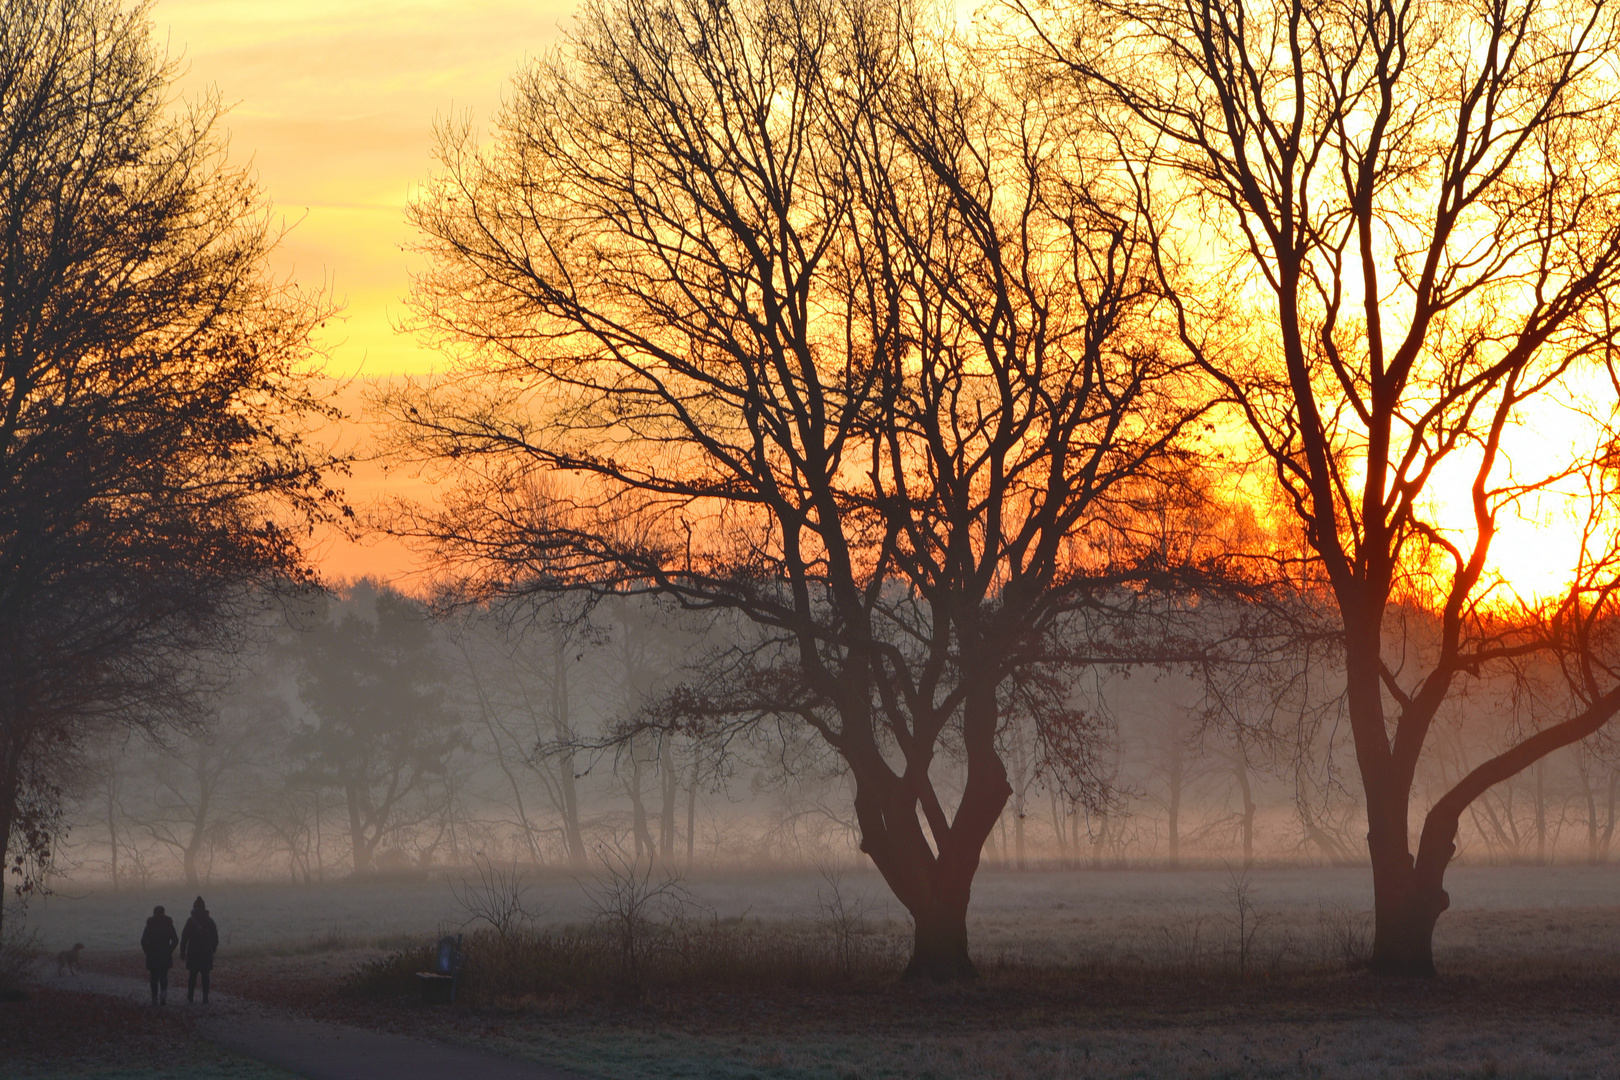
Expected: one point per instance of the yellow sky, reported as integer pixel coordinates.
(334, 104)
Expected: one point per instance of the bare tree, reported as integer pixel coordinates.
(102, 799)
(794, 311)
(1175, 764)
(1600, 795)
(648, 652)
(380, 730)
(1391, 233)
(198, 780)
(152, 387)
(285, 811)
(523, 678)
(1017, 748)
(1237, 756)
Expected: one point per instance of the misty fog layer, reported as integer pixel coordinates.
(364, 733)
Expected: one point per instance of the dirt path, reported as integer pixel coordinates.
(320, 1050)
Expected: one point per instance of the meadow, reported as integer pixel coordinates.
(1118, 973)
(1061, 916)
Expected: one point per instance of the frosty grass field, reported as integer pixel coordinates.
(1055, 916)
(1530, 961)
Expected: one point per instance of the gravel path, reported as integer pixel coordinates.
(320, 1050)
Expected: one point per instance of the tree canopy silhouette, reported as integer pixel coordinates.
(794, 311)
(382, 731)
(152, 386)
(1392, 233)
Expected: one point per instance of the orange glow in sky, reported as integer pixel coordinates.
(334, 102)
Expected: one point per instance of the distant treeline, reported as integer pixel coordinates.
(368, 732)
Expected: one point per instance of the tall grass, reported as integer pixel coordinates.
(594, 962)
(625, 958)
(20, 953)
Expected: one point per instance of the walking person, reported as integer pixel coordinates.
(197, 944)
(157, 942)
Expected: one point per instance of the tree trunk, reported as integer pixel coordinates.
(1404, 912)
(1407, 897)
(199, 825)
(1403, 944)
(571, 828)
(14, 740)
(1018, 833)
(934, 882)
(1060, 827)
(361, 852)
(1584, 771)
(1408, 894)
(320, 861)
(691, 815)
(1177, 774)
(188, 861)
(112, 829)
(939, 949)
(936, 889)
(1406, 906)
(671, 791)
(638, 807)
(562, 723)
(8, 799)
(1541, 812)
(1607, 837)
(1249, 808)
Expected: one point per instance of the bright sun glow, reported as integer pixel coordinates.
(1538, 538)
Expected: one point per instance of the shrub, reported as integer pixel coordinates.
(19, 954)
(591, 962)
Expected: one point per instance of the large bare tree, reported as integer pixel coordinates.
(153, 381)
(791, 309)
(1392, 228)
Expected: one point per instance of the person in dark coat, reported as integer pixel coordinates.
(158, 942)
(197, 944)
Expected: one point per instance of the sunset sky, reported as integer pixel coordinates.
(334, 104)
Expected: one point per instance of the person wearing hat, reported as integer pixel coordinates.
(158, 942)
(197, 944)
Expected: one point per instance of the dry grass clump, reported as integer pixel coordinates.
(648, 931)
(1240, 944)
(649, 934)
(331, 941)
(605, 961)
(20, 953)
